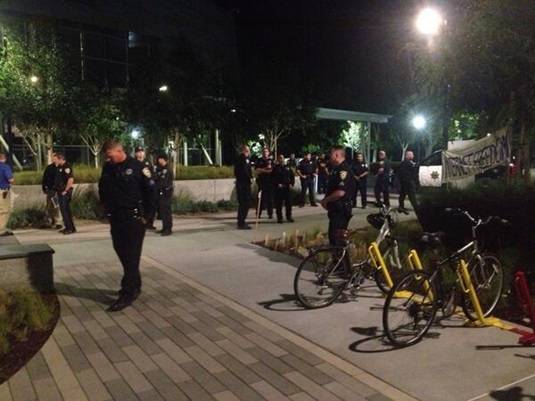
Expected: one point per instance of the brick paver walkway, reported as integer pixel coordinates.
(180, 341)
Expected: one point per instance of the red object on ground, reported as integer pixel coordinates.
(524, 297)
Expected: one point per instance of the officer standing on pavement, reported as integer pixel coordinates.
(243, 174)
(164, 188)
(47, 184)
(126, 188)
(408, 178)
(382, 183)
(64, 186)
(139, 153)
(263, 169)
(6, 180)
(360, 171)
(307, 170)
(283, 180)
(339, 195)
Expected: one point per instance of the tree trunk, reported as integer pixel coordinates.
(49, 144)
(96, 159)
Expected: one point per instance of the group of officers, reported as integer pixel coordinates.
(341, 180)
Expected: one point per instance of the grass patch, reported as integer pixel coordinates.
(203, 172)
(27, 218)
(183, 204)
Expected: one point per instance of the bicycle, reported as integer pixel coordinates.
(327, 271)
(407, 318)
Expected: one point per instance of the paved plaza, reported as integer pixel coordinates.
(217, 321)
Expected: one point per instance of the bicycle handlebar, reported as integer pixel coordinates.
(476, 221)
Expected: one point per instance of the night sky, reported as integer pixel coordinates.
(346, 51)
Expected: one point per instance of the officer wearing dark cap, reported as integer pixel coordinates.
(164, 188)
(408, 178)
(139, 153)
(339, 196)
(125, 189)
(243, 173)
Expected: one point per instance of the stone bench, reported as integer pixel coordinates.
(27, 266)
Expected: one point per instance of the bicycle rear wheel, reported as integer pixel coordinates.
(321, 277)
(410, 309)
(487, 277)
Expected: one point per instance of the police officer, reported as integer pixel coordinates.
(283, 180)
(164, 188)
(339, 194)
(306, 170)
(323, 174)
(64, 185)
(382, 179)
(126, 188)
(263, 169)
(243, 174)
(408, 178)
(6, 180)
(47, 184)
(360, 171)
(139, 153)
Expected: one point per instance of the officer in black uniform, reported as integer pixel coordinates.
(408, 178)
(264, 179)
(307, 170)
(47, 184)
(139, 153)
(126, 188)
(360, 171)
(64, 185)
(339, 195)
(164, 188)
(283, 180)
(323, 174)
(243, 174)
(382, 176)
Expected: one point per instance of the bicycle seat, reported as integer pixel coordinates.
(342, 236)
(433, 239)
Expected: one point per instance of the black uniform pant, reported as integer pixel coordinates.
(65, 210)
(322, 183)
(283, 196)
(307, 184)
(243, 192)
(266, 198)
(362, 187)
(151, 216)
(127, 236)
(407, 189)
(381, 188)
(338, 220)
(164, 211)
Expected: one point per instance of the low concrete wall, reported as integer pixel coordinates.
(26, 196)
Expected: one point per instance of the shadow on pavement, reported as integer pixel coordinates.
(286, 303)
(512, 394)
(102, 296)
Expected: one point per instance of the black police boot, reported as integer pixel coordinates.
(166, 233)
(122, 302)
(290, 220)
(245, 227)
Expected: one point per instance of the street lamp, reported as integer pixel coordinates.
(135, 134)
(419, 122)
(163, 88)
(34, 79)
(429, 22)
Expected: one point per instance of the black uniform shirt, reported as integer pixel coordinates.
(264, 163)
(342, 179)
(242, 169)
(323, 166)
(49, 177)
(408, 172)
(385, 174)
(63, 174)
(359, 169)
(164, 180)
(307, 167)
(126, 186)
(283, 175)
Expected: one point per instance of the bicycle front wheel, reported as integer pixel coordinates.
(486, 274)
(321, 277)
(410, 309)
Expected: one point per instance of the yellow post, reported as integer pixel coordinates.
(416, 264)
(379, 262)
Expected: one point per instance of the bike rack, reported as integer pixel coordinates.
(416, 264)
(524, 298)
(468, 288)
(379, 263)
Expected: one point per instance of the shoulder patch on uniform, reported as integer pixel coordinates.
(146, 172)
(129, 171)
(343, 174)
(68, 170)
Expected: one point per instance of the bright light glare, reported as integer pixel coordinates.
(429, 22)
(419, 122)
(135, 133)
(233, 110)
(34, 79)
(163, 88)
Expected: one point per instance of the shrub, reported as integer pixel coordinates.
(183, 204)
(203, 172)
(34, 217)
(86, 205)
